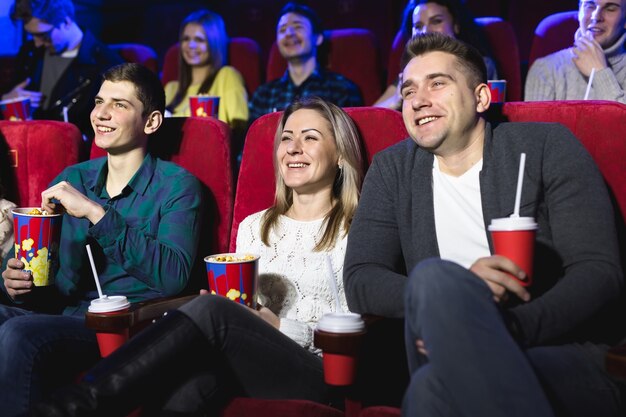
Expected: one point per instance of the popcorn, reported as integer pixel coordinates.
(231, 258)
(37, 212)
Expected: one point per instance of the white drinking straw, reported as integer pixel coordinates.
(332, 284)
(520, 180)
(95, 273)
(593, 71)
(65, 118)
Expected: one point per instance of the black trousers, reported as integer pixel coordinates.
(247, 357)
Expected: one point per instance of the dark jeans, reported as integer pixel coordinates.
(248, 357)
(474, 366)
(39, 352)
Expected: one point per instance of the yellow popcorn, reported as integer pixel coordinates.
(233, 294)
(231, 258)
(27, 244)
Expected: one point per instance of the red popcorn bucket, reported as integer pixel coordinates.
(204, 106)
(16, 109)
(234, 276)
(498, 90)
(37, 243)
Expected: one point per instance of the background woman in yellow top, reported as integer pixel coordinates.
(202, 70)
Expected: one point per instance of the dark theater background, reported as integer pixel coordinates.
(155, 22)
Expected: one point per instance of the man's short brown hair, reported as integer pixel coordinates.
(469, 59)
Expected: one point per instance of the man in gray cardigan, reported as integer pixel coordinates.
(598, 43)
(477, 340)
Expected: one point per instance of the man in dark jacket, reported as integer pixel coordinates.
(481, 341)
(59, 69)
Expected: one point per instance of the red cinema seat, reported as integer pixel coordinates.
(38, 151)
(138, 53)
(553, 33)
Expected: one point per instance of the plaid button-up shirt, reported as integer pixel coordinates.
(145, 244)
(278, 94)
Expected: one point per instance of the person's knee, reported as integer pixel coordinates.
(15, 333)
(432, 279)
(215, 308)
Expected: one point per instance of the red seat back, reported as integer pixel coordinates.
(353, 53)
(38, 151)
(244, 55)
(503, 42)
(552, 34)
(201, 146)
(138, 53)
(378, 127)
(526, 15)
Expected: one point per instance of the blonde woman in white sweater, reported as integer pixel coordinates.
(216, 349)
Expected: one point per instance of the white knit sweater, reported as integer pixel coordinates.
(293, 279)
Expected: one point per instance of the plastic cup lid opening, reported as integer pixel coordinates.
(341, 323)
(107, 304)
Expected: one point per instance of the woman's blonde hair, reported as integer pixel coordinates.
(347, 186)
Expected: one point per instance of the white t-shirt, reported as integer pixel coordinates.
(293, 280)
(459, 216)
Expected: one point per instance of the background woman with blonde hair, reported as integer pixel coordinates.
(203, 70)
(211, 349)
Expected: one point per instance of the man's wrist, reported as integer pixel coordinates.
(96, 214)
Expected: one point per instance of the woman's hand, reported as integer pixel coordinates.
(267, 315)
(263, 312)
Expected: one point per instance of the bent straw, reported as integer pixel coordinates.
(520, 180)
(95, 273)
(332, 284)
(593, 71)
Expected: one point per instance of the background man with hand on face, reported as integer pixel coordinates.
(598, 44)
(478, 342)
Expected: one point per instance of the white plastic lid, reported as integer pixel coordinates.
(107, 304)
(341, 323)
(505, 224)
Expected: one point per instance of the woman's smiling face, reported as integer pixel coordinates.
(307, 154)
